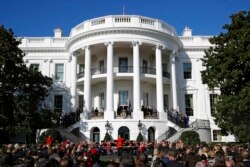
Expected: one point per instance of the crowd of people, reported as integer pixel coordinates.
(179, 118)
(68, 118)
(123, 153)
(120, 153)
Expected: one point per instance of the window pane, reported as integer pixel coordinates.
(58, 103)
(123, 65)
(187, 70)
(101, 95)
(189, 104)
(213, 101)
(166, 106)
(123, 97)
(145, 99)
(164, 67)
(216, 135)
(81, 67)
(80, 101)
(144, 66)
(101, 66)
(34, 67)
(59, 72)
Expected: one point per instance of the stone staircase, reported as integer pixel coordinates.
(194, 126)
(169, 136)
(177, 135)
(68, 136)
(73, 126)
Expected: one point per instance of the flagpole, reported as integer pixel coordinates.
(123, 10)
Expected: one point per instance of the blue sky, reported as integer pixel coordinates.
(40, 17)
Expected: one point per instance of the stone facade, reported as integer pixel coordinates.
(119, 65)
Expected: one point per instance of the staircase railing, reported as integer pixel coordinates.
(68, 135)
(197, 124)
(200, 124)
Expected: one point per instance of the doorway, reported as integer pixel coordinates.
(96, 135)
(124, 132)
(151, 134)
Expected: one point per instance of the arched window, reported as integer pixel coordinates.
(151, 134)
(95, 135)
(124, 132)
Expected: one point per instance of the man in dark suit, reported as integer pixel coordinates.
(172, 155)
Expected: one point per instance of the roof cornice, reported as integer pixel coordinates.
(122, 30)
(43, 49)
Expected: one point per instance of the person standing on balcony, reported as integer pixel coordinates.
(96, 111)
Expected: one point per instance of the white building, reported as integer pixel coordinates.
(126, 61)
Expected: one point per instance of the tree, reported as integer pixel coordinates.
(55, 134)
(107, 137)
(190, 137)
(21, 88)
(139, 138)
(227, 67)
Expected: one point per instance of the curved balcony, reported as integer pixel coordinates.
(97, 71)
(148, 70)
(150, 113)
(124, 69)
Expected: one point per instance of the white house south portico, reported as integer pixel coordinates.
(124, 69)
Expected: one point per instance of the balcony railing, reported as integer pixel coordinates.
(150, 113)
(145, 70)
(124, 69)
(80, 75)
(114, 21)
(97, 71)
(166, 74)
(148, 70)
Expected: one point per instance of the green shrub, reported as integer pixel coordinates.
(55, 134)
(107, 137)
(139, 138)
(190, 137)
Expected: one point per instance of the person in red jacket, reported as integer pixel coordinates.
(49, 140)
(94, 154)
(120, 141)
(108, 148)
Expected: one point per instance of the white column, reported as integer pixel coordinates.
(159, 79)
(136, 78)
(87, 80)
(109, 113)
(73, 81)
(173, 80)
(202, 97)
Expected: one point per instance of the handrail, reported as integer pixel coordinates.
(124, 69)
(124, 20)
(80, 75)
(96, 71)
(148, 70)
(200, 124)
(197, 124)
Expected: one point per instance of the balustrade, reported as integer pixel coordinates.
(130, 21)
(96, 71)
(80, 75)
(124, 69)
